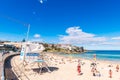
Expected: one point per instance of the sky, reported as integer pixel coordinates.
(93, 24)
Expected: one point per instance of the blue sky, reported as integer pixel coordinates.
(94, 24)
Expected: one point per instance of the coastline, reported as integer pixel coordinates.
(98, 60)
(82, 58)
(102, 55)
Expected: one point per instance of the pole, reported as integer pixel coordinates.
(28, 32)
(25, 44)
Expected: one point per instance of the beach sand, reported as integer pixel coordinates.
(66, 69)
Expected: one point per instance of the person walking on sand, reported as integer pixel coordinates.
(117, 68)
(94, 57)
(110, 73)
(79, 68)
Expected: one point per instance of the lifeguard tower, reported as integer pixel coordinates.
(32, 53)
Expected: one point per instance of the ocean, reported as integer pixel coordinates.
(107, 55)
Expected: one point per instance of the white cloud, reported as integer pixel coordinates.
(37, 36)
(77, 36)
(41, 1)
(111, 43)
(116, 38)
(73, 31)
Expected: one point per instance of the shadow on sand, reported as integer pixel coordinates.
(44, 70)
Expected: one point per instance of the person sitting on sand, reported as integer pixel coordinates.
(79, 61)
(79, 68)
(94, 71)
(93, 65)
(117, 68)
(110, 73)
(110, 65)
(93, 68)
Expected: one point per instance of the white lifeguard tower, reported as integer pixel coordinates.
(32, 53)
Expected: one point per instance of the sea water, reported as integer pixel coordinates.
(107, 55)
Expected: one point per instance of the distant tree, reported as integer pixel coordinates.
(45, 45)
(23, 40)
(53, 46)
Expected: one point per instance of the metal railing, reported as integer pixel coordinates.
(15, 68)
(18, 71)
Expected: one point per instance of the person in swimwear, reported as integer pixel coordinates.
(79, 68)
(94, 57)
(117, 68)
(110, 73)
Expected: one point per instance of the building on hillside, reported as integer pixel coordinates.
(16, 44)
(64, 46)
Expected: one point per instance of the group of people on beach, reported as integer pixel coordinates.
(111, 72)
(94, 70)
(94, 66)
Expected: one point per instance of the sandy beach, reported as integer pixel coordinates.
(63, 68)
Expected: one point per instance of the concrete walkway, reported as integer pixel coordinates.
(1, 66)
(2, 59)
